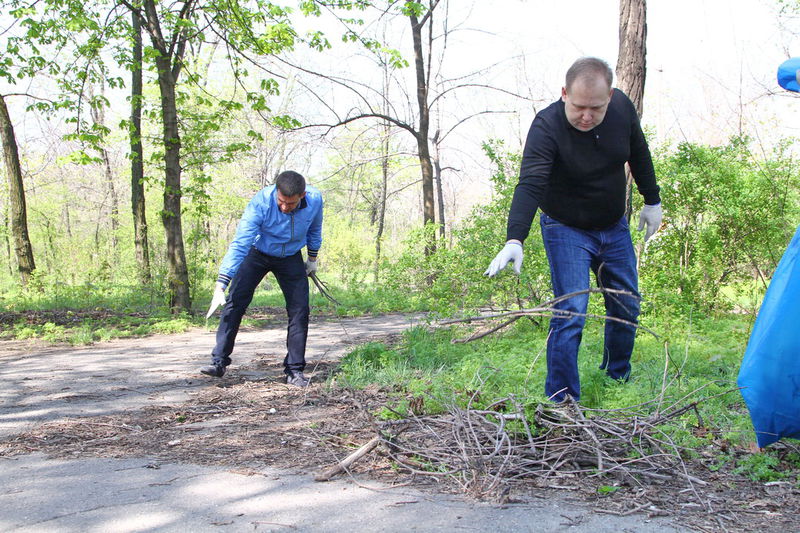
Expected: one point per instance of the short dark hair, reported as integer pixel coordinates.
(586, 67)
(290, 183)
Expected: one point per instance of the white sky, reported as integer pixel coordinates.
(705, 58)
(711, 64)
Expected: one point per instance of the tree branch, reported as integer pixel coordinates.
(361, 116)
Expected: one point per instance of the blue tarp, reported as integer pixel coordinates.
(770, 372)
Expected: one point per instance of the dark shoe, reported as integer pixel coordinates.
(213, 370)
(297, 379)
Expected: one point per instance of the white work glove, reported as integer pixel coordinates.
(512, 251)
(216, 300)
(651, 217)
(311, 266)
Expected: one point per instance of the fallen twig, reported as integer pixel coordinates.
(547, 308)
(478, 450)
(344, 464)
(480, 335)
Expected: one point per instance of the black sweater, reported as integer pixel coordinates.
(577, 177)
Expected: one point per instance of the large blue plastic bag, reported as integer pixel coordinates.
(787, 74)
(770, 372)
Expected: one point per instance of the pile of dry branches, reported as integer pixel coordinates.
(484, 450)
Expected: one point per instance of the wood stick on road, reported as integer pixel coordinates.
(349, 460)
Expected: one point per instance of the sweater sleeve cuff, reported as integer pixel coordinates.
(652, 198)
(517, 232)
(224, 279)
(312, 253)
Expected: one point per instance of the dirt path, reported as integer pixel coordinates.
(43, 383)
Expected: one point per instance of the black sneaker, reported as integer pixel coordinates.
(216, 371)
(297, 379)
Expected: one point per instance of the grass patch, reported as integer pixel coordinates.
(90, 313)
(427, 371)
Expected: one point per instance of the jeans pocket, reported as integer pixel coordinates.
(549, 222)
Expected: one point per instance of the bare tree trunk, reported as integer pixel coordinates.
(99, 117)
(7, 241)
(66, 220)
(140, 240)
(423, 150)
(631, 67)
(437, 173)
(381, 211)
(169, 67)
(16, 195)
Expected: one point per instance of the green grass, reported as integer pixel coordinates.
(701, 357)
(701, 362)
(89, 313)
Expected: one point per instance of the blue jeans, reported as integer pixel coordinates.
(293, 281)
(572, 253)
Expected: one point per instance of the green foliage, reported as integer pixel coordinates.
(728, 219)
(96, 315)
(451, 279)
(762, 467)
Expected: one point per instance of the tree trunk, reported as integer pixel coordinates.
(66, 220)
(437, 172)
(137, 159)
(169, 66)
(423, 150)
(177, 269)
(7, 242)
(16, 195)
(381, 208)
(631, 68)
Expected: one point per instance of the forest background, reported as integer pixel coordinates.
(232, 93)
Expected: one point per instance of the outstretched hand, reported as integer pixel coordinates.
(512, 251)
(217, 300)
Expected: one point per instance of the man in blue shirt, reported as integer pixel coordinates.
(277, 223)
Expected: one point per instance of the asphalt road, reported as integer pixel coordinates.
(45, 383)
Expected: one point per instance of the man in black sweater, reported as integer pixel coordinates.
(573, 169)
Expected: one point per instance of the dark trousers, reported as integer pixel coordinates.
(293, 281)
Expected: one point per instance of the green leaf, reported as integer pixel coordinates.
(286, 122)
(80, 157)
